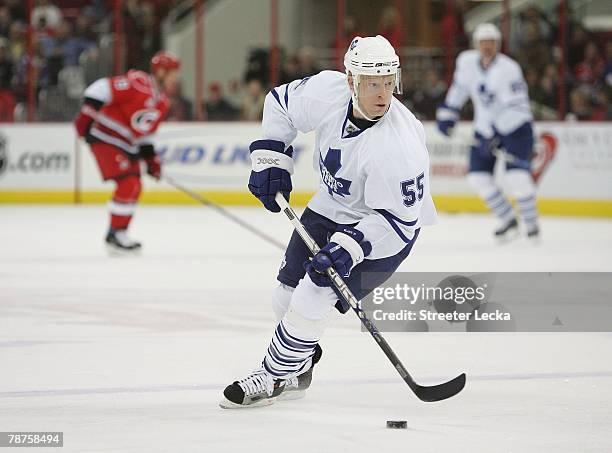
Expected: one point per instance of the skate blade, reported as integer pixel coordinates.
(510, 236)
(292, 395)
(115, 251)
(227, 404)
(534, 240)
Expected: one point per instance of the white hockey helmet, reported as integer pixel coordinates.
(371, 56)
(486, 31)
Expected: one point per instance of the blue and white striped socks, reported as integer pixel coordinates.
(529, 211)
(500, 206)
(288, 355)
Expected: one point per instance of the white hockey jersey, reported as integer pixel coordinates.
(377, 177)
(499, 93)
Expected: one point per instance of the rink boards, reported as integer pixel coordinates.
(45, 163)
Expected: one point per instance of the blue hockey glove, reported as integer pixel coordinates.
(446, 127)
(346, 249)
(272, 167)
(446, 118)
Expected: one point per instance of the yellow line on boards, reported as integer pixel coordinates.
(444, 203)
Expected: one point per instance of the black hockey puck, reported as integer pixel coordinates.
(397, 424)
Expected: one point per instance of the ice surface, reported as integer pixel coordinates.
(132, 354)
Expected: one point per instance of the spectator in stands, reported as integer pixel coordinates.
(535, 52)
(590, 70)
(430, 96)
(253, 102)
(601, 108)
(580, 108)
(454, 37)
(339, 45)
(63, 50)
(306, 63)
(290, 69)
(530, 16)
(607, 72)
(533, 85)
(578, 41)
(96, 10)
(390, 26)
(20, 67)
(408, 91)
(7, 99)
(93, 66)
(47, 10)
(141, 39)
(218, 108)
(180, 107)
(84, 28)
(541, 98)
(549, 86)
(17, 10)
(5, 22)
(17, 40)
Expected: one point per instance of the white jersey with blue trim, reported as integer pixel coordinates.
(377, 177)
(499, 93)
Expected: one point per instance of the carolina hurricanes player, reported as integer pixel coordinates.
(118, 119)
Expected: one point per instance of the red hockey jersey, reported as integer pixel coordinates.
(134, 106)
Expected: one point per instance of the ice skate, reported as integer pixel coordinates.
(507, 232)
(295, 387)
(257, 389)
(118, 243)
(533, 235)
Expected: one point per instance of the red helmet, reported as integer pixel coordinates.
(166, 60)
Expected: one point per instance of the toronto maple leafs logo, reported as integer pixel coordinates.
(329, 168)
(485, 96)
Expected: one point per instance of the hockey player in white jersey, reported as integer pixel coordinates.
(502, 118)
(372, 200)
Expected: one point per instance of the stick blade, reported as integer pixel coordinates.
(440, 392)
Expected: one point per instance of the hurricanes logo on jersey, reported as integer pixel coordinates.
(145, 120)
(329, 167)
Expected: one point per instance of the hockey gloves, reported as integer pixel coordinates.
(272, 167)
(154, 166)
(446, 117)
(152, 160)
(346, 249)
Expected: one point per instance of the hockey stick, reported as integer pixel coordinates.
(223, 212)
(536, 164)
(424, 393)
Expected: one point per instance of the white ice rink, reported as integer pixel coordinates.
(132, 354)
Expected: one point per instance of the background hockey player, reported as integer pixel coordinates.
(373, 197)
(118, 119)
(502, 117)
